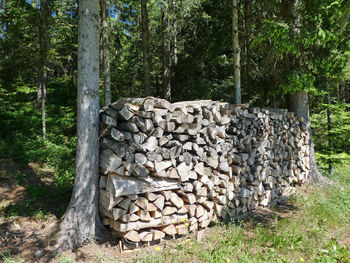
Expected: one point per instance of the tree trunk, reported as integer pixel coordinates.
(329, 128)
(146, 64)
(175, 32)
(44, 48)
(299, 103)
(81, 222)
(236, 52)
(106, 70)
(246, 44)
(166, 51)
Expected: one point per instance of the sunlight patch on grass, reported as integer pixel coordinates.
(307, 235)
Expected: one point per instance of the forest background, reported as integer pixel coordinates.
(284, 46)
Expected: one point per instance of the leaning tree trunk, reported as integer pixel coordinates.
(299, 103)
(236, 52)
(146, 65)
(81, 222)
(106, 68)
(166, 51)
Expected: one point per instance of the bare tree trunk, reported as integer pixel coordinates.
(329, 128)
(44, 48)
(166, 51)
(43, 103)
(81, 222)
(299, 103)
(236, 52)
(175, 32)
(106, 69)
(146, 64)
(246, 44)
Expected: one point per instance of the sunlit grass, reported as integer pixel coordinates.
(312, 233)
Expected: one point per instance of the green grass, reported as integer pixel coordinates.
(7, 258)
(312, 233)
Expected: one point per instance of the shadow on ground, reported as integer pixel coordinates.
(30, 206)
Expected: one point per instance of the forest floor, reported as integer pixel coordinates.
(312, 226)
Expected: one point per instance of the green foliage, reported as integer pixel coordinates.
(339, 133)
(20, 141)
(308, 41)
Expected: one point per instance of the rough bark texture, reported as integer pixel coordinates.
(166, 51)
(246, 44)
(106, 69)
(81, 222)
(44, 47)
(299, 103)
(146, 65)
(236, 52)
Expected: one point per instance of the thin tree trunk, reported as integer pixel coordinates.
(299, 103)
(329, 126)
(343, 91)
(236, 52)
(43, 104)
(146, 63)
(106, 69)
(175, 33)
(246, 44)
(81, 222)
(166, 51)
(44, 48)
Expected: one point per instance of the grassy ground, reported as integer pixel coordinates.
(313, 226)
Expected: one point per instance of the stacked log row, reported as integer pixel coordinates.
(167, 169)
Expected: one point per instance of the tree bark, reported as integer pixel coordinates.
(246, 44)
(81, 222)
(299, 103)
(146, 64)
(106, 69)
(44, 48)
(236, 52)
(175, 32)
(329, 129)
(166, 51)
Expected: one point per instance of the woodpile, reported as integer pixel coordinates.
(169, 169)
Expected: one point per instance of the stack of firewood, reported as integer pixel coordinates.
(167, 169)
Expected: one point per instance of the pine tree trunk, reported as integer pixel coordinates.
(106, 70)
(44, 48)
(175, 51)
(329, 128)
(246, 44)
(299, 103)
(43, 79)
(81, 222)
(166, 51)
(146, 63)
(236, 52)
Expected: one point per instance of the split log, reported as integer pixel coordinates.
(107, 200)
(169, 230)
(133, 236)
(122, 185)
